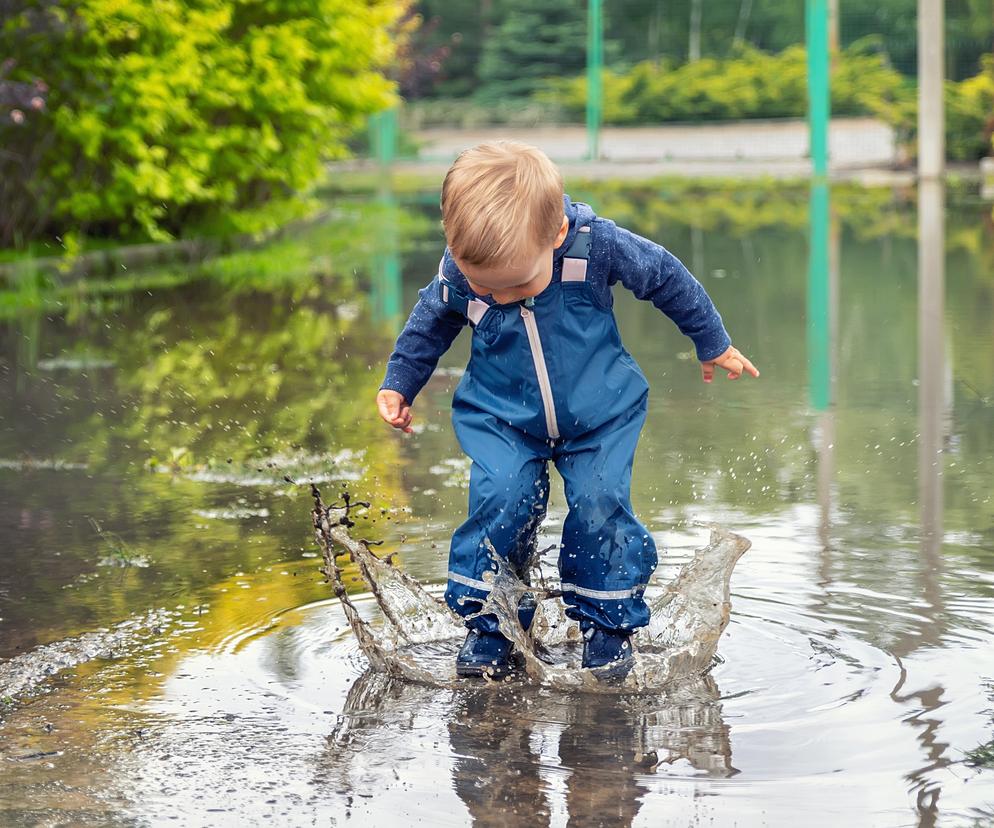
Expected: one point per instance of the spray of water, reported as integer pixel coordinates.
(22, 674)
(687, 619)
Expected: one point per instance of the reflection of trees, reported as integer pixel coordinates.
(608, 745)
(742, 208)
(190, 558)
(225, 369)
(267, 376)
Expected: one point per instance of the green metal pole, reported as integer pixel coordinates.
(383, 136)
(373, 124)
(819, 314)
(595, 64)
(819, 100)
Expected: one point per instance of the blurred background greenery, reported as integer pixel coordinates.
(131, 121)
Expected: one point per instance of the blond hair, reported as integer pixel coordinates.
(501, 199)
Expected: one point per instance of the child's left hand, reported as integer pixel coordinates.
(733, 361)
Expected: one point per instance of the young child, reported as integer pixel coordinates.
(548, 380)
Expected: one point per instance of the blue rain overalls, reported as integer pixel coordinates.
(549, 380)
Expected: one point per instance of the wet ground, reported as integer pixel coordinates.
(145, 436)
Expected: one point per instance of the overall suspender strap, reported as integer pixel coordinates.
(459, 301)
(575, 260)
(574, 270)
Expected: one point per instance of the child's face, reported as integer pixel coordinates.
(512, 284)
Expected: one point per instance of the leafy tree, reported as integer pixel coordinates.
(459, 28)
(535, 40)
(156, 119)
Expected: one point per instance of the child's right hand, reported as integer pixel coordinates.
(394, 410)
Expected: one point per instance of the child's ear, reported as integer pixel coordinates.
(563, 231)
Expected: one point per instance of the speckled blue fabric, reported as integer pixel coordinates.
(647, 269)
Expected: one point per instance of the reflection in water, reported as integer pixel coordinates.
(933, 412)
(521, 757)
(819, 299)
(934, 404)
(822, 338)
(385, 296)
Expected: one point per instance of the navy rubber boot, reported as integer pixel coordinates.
(527, 608)
(485, 653)
(609, 652)
(490, 653)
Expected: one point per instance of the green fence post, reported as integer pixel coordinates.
(819, 100)
(383, 136)
(595, 61)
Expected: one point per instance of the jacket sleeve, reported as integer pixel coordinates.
(652, 273)
(429, 332)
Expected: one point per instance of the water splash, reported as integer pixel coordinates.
(21, 674)
(688, 617)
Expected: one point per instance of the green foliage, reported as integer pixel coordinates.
(751, 84)
(864, 83)
(968, 29)
(469, 113)
(970, 114)
(535, 40)
(157, 119)
(331, 249)
(755, 84)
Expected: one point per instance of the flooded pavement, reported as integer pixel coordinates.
(145, 440)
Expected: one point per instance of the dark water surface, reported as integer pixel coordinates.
(144, 438)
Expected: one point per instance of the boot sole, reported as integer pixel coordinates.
(613, 671)
(494, 672)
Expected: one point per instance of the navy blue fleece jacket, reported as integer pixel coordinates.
(647, 269)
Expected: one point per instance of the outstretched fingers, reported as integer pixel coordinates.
(733, 361)
(748, 367)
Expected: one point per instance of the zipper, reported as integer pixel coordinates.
(541, 371)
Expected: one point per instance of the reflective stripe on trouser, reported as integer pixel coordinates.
(607, 555)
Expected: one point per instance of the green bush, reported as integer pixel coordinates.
(157, 118)
(751, 84)
(970, 114)
(756, 84)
